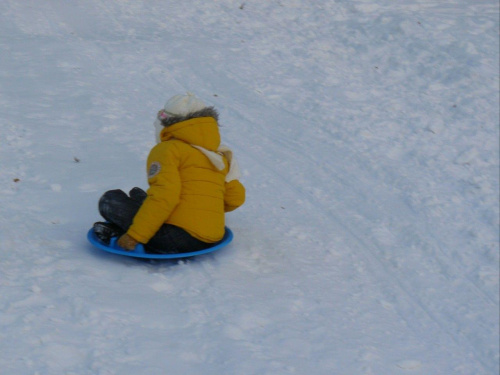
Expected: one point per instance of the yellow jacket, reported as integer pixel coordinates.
(185, 188)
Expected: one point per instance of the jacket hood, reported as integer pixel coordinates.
(198, 128)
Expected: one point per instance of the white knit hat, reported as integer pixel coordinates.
(184, 104)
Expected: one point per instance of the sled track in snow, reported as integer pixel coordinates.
(373, 253)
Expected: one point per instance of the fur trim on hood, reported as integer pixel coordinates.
(205, 112)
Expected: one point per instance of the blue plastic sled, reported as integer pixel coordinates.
(139, 251)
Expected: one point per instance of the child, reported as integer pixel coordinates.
(193, 181)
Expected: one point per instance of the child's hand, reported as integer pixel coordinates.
(127, 242)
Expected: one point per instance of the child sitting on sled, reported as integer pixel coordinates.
(193, 181)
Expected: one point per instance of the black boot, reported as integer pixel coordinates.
(105, 231)
(137, 194)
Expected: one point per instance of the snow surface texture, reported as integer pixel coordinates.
(367, 131)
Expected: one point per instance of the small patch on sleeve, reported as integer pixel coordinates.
(154, 169)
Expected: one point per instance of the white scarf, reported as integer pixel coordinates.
(218, 162)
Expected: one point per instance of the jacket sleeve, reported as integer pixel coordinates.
(163, 193)
(234, 195)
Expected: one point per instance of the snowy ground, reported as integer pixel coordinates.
(367, 132)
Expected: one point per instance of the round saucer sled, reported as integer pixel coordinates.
(139, 251)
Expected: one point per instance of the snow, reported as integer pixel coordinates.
(367, 132)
